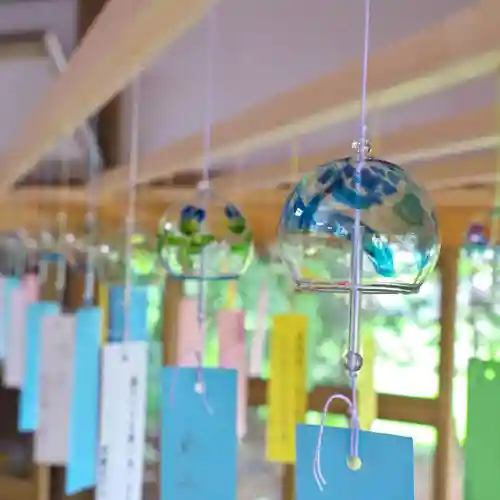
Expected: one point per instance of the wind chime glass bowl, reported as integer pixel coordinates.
(111, 255)
(207, 239)
(400, 240)
(483, 234)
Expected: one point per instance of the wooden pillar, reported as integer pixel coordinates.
(288, 482)
(443, 465)
(171, 300)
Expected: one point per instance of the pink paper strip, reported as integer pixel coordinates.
(190, 341)
(31, 287)
(15, 339)
(232, 354)
(3, 322)
(15, 332)
(259, 334)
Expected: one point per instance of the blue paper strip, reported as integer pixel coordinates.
(11, 283)
(139, 301)
(198, 446)
(84, 420)
(386, 470)
(28, 405)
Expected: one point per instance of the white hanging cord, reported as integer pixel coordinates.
(130, 221)
(204, 185)
(354, 359)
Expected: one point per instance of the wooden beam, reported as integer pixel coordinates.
(418, 66)
(457, 134)
(400, 408)
(125, 37)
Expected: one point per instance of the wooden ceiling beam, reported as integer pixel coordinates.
(460, 133)
(433, 60)
(125, 37)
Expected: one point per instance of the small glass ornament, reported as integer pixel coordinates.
(400, 239)
(483, 233)
(112, 251)
(207, 239)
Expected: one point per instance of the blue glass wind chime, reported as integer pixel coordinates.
(368, 215)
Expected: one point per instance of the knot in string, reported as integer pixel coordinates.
(354, 425)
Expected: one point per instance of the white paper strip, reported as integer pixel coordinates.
(56, 383)
(123, 421)
(259, 335)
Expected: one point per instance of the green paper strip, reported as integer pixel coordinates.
(482, 445)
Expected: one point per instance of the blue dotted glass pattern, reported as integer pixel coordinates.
(195, 242)
(400, 238)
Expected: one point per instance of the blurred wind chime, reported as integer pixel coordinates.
(482, 254)
(370, 212)
(203, 409)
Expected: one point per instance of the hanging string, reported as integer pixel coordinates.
(130, 221)
(204, 186)
(294, 164)
(61, 222)
(95, 161)
(353, 360)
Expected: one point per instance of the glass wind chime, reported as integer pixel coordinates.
(369, 215)
(481, 259)
(202, 241)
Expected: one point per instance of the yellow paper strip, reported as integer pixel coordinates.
(232, 294)
(287, 390)
(367, 396)
(103, 301)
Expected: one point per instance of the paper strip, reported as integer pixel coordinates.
(259, 335)
(190, 340)
(138, 313)
(232, 354)
(84, 410)
(36, 315)
(123, 421)
(287, 385)
(386, 466)
(198, 435)
(482, 444)
(15, 335)
(56, 386)
(367, 396)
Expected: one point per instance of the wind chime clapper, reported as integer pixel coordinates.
(205, 240)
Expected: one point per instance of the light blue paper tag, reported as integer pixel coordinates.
(138, 313)
(84, 420)
(386, 471)
(198, 435)
(10, 284)
(29, 397)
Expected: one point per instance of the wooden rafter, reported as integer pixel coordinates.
(428, 143)
(418, 66)
(125, 37)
